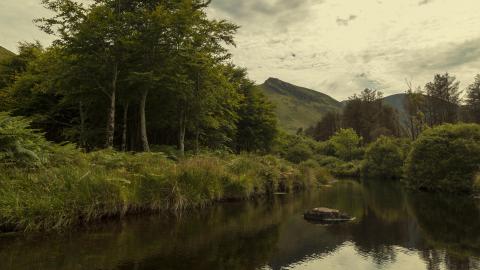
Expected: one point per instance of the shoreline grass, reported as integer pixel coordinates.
(89, 187)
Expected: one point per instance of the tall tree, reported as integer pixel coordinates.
(443, 99)
(369, 117)
(326, 128)
(257, 126)
(473, 101)
(414, 105)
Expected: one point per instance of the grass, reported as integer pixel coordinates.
(81, 188)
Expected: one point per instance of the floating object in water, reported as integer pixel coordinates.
(324, 215)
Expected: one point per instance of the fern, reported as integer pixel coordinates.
(19, 143)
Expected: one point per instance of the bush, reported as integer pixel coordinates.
(22, 146)
(383, 159)
(313, 173)
(338, 167)
(445, 158)
(299, 153)
(347, 144)
(296, 148)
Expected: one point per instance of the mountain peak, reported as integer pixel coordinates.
(273, 80)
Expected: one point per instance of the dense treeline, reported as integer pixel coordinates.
(129, 74)
(429, 147)
(440, 102)
(365, 113)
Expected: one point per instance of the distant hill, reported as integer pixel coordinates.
(4, 53)
(297, 107)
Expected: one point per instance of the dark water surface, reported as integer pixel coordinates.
(393, 229)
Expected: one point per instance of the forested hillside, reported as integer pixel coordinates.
(297, 107)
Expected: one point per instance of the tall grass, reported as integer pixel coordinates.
(80, 188)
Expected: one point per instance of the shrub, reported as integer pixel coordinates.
(299, 153)
(445, 158)
(22, 146)
(383, 159)
(313, 173)
(346, 144)
(338, 167)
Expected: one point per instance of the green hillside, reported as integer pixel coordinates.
(4, 53)
(297, 107)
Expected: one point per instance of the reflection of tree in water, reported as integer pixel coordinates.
(386, 199)
(451, 225)
(235, 236)
(383, 222)
(252, 234)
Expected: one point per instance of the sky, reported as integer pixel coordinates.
(338, 47)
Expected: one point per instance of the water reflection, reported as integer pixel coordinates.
(393, 230)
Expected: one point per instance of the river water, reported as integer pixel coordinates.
(394, 229)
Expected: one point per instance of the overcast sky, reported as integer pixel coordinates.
(337, 47)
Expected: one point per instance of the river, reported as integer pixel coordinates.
(394, 229)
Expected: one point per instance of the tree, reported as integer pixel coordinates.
(369, 117)
(257, 126)
(346, 143)
(445, 158)
(326, 128)
(443, 99)
(383, 159)
(473, 101)
(414, 104)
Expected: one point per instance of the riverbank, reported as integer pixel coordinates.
(83, 188)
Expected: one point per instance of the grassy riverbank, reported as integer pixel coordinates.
(83, 188)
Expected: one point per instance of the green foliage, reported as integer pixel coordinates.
(473, 101)
(296, 148)
(383, 159)
(257, 126)
(445, 158)
(443, 100)
(19, 144)
(346, 144)
(163, 66)
(369, 116)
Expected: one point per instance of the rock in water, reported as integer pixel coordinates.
(326, 215)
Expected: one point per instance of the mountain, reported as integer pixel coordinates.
(4, 53)
(297, 107)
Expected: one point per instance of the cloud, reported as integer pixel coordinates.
(445, 57)
(245, 8)
(279, 13)
(346, 21)
(424, 2)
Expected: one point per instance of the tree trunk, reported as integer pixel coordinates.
(197, 140)
(110, 132)
(82, 125)
(181, 133)
(143, 122)
(125, 127)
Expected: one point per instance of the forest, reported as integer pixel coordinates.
(137, 107)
